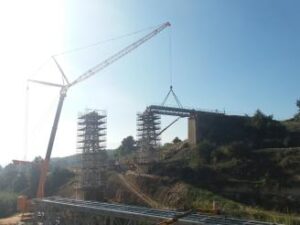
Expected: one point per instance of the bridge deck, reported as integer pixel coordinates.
(170, 111)
(142, 213)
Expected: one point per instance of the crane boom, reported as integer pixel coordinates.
(45, 164)
(64, 89)
(119, 54)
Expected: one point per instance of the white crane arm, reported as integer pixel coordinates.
(118, 55)
(61, 70)
(45, 83)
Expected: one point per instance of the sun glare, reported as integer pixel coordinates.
(31, 31)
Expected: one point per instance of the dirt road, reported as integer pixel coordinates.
(135, 190)
(13, 220)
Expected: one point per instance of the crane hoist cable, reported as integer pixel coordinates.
(180, 106)
(31, 130)
(26, 122)
(174, 96)
(163, 103)
(171, 91)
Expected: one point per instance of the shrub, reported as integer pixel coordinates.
(176, 140)
(56, 179)
(234, 150)
(8, 203)
(205, 149)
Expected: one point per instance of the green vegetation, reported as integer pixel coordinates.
(251, 165)
(8, 203)
(176, 140)
(245, 182)
(56, 179)
(258, 131)
(266, 132)
(23, 179)
(199, 198)
(127, 147)
(246, 164)
(297, 116)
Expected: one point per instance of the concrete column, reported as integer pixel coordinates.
(192, 131)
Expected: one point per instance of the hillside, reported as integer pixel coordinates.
(255, 177)
(183, 179)
(259, 184)
(258, 178)
(170, 193)
(267, 177)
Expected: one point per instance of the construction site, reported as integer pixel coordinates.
(98, 200)
(222, 168)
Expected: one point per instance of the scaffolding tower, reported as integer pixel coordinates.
(148, 140)
(91, 144)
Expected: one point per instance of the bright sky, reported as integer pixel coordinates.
(232, 55)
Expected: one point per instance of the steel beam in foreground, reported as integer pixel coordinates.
(56, 210)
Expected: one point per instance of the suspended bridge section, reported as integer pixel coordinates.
(170, 111)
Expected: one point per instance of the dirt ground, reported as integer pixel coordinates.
(13, 220)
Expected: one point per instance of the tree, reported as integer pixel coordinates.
(267, 132)
(57, 178)
(8, 177)
(176, 140)
(127, 146)
(298, 104)
(260, 120)
(297, 116)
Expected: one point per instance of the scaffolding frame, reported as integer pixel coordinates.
(91, 144)
(148, 138)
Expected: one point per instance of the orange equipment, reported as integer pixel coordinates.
(175, 218)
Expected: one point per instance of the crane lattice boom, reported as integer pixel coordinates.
(65, 87)
(119, 55)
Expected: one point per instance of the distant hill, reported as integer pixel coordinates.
(72, 161)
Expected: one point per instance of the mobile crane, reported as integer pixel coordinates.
(64, 89)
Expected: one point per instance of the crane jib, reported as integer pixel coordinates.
(119, 54)
(64, 89)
